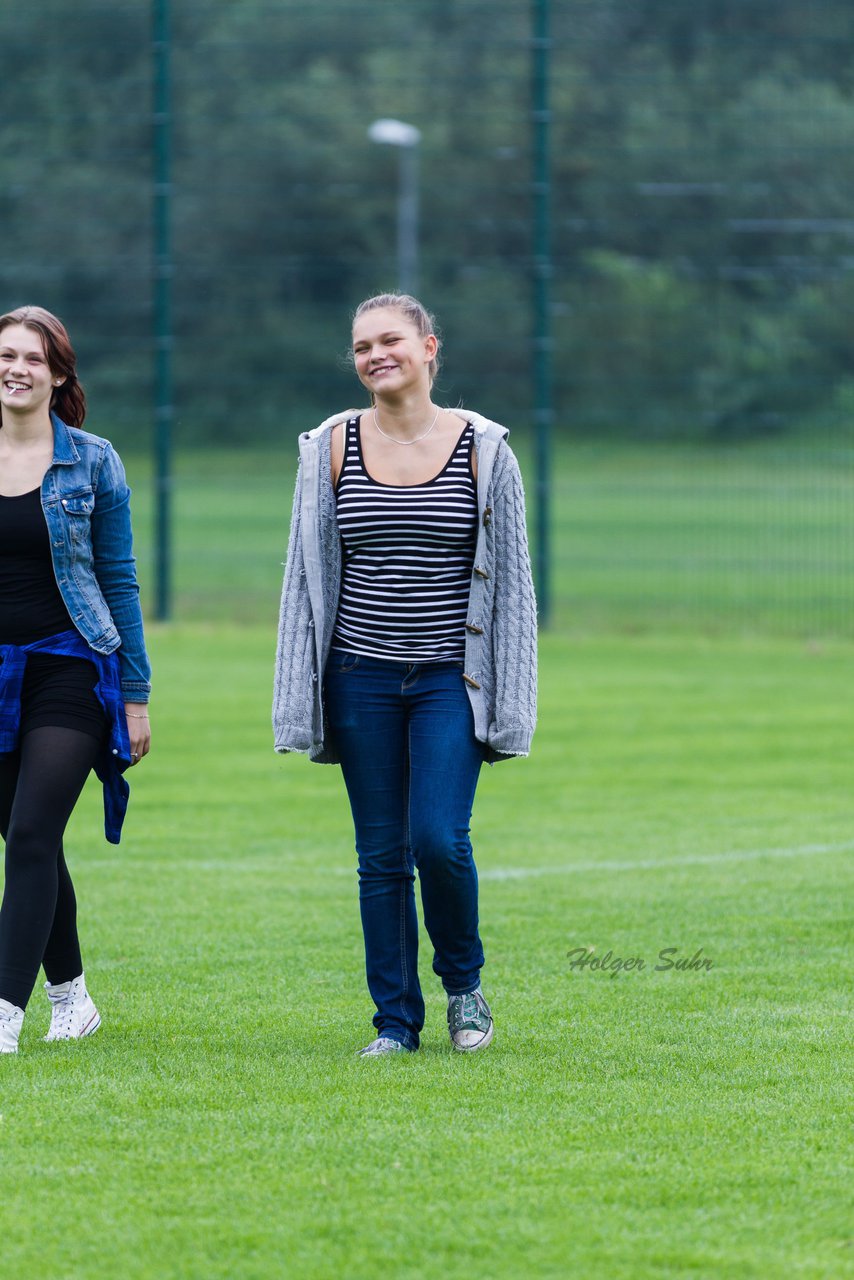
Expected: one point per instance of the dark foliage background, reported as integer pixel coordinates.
(703, 205)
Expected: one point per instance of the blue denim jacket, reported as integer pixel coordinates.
(85, 499)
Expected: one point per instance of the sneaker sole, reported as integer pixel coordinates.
(481, 1044)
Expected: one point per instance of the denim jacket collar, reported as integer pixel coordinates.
(64, 449)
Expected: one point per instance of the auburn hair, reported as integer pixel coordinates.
(68, 400)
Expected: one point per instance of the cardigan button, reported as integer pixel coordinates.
(481, 573)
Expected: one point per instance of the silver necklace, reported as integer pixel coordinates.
(415, 439)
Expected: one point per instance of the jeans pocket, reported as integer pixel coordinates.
(345, 662)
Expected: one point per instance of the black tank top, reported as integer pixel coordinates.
(31, 606)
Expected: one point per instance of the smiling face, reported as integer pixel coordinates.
(26, 380)
(390, 355)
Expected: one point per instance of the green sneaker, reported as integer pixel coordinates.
(469, 1021)
(382, 1044)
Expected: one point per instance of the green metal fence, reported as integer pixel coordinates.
(697, 283)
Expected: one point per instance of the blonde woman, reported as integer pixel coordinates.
(407, 653)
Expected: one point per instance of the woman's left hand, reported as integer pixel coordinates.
(139, 730)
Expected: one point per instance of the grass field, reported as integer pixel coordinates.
(686, 792)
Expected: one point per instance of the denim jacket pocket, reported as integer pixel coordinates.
(77, 508)
(79, 503)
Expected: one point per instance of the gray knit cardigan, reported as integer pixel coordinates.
(500, 667)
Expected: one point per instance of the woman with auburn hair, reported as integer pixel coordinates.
(74, 675)
(407, 652)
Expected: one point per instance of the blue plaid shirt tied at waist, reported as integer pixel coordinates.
(114, 756)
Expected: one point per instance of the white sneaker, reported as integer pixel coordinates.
(11, 1021)
(73, 1014)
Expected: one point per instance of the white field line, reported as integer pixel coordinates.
(267, 861)
(658, 864)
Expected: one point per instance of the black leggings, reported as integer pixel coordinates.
(39, 786)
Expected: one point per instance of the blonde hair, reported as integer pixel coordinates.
(414, 311)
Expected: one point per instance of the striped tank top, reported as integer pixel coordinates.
(408, 552)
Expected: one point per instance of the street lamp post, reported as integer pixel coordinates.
(396, 133)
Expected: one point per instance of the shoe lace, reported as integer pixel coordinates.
(63, 1014)
(469, 1008)
(466, 1008)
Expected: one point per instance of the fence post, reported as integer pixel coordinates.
(163, 341)
(542, 273)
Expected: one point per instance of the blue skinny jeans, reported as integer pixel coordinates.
(405, 736)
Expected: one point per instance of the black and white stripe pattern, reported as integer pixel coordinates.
(408, 556)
